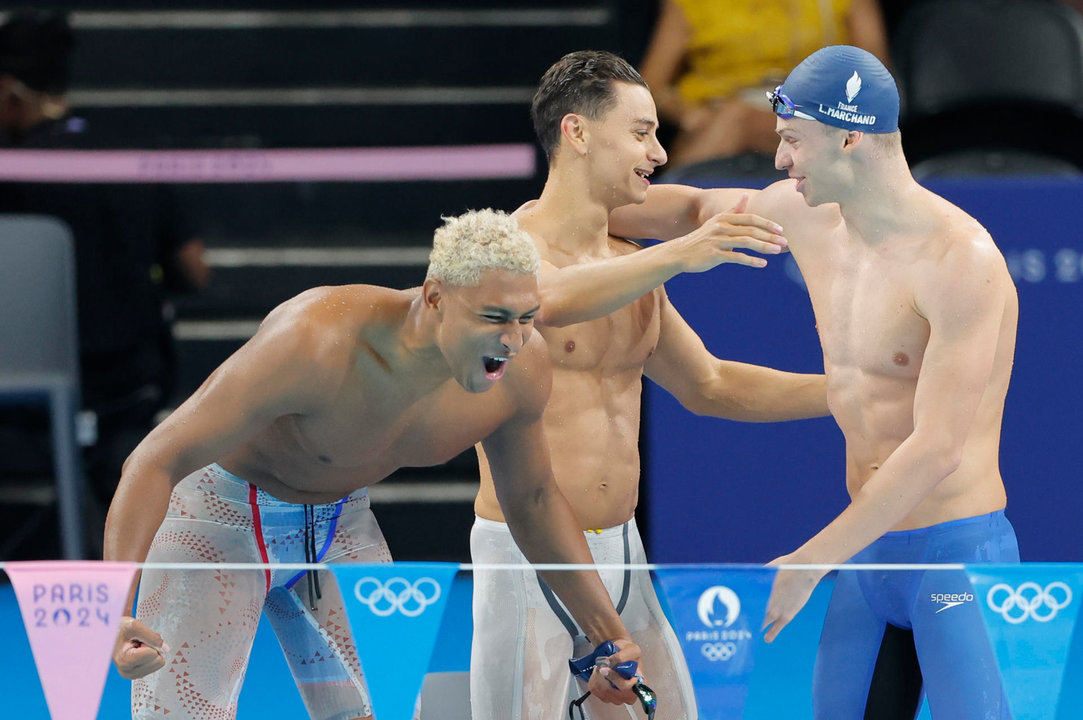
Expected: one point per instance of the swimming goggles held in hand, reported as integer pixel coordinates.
(584, 666)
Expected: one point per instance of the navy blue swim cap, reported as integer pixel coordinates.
(842, 86)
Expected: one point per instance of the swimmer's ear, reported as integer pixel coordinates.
(852, 139)
(432, 292)
(573, 128)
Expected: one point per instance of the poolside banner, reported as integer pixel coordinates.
(71, 611)
(717, 613)
(1071, 689)
(395, 611)
(1031, 612)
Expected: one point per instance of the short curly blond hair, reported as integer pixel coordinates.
(480, 240)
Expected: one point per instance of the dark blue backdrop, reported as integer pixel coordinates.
(720, 491)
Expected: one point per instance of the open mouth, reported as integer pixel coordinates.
(644, 175)
(494, 367)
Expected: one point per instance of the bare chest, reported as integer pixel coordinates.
(374, 432)
(867, 318)
(619, 341)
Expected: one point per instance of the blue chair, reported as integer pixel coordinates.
(952, 53)
(991, 75)
(39, 358)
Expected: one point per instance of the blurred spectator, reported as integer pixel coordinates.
(132, 249)
(710, 61)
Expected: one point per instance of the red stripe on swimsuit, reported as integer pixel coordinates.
(258, 531)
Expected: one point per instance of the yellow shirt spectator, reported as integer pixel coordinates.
(740, 44)
(709, 62)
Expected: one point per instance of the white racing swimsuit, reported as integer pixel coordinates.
(524, 636)
(208, 617)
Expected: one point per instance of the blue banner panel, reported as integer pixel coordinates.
(1030, 612)
(395, 612)
(781, 686)
(717, 613)
(1071, 689)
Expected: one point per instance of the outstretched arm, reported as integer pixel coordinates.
(707, 385)
(588, 291)
(964, 308)
(671, 211)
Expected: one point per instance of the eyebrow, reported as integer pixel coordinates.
(493, 310)
(644, 121)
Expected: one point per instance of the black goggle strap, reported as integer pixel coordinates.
(647, 699)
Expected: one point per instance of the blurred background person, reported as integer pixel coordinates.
(709, 62)
(133, 251)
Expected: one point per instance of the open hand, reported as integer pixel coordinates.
(719, 239)
(789, 593)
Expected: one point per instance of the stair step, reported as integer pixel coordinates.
(362, 214)
(95, 6)
(379, 124)
(252, 292)
(275, 57)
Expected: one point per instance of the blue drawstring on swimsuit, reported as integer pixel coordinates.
(313, 556)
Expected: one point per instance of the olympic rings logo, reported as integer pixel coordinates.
(718, 651)
(1029, 600)
(397, 595)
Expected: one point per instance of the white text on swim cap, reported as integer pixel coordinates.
(847, 116)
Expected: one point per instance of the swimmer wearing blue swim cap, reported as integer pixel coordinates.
(842, 86)
(917, 313)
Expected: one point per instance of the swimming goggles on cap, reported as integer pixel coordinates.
(784, 107)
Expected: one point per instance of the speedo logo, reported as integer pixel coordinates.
(950, 600)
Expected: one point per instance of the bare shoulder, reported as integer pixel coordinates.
(530, 220)
(524, 209)
(326, 324)
(330, 307)
(963, 243)
(962, 264)
(777, 196)
(781, 203)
